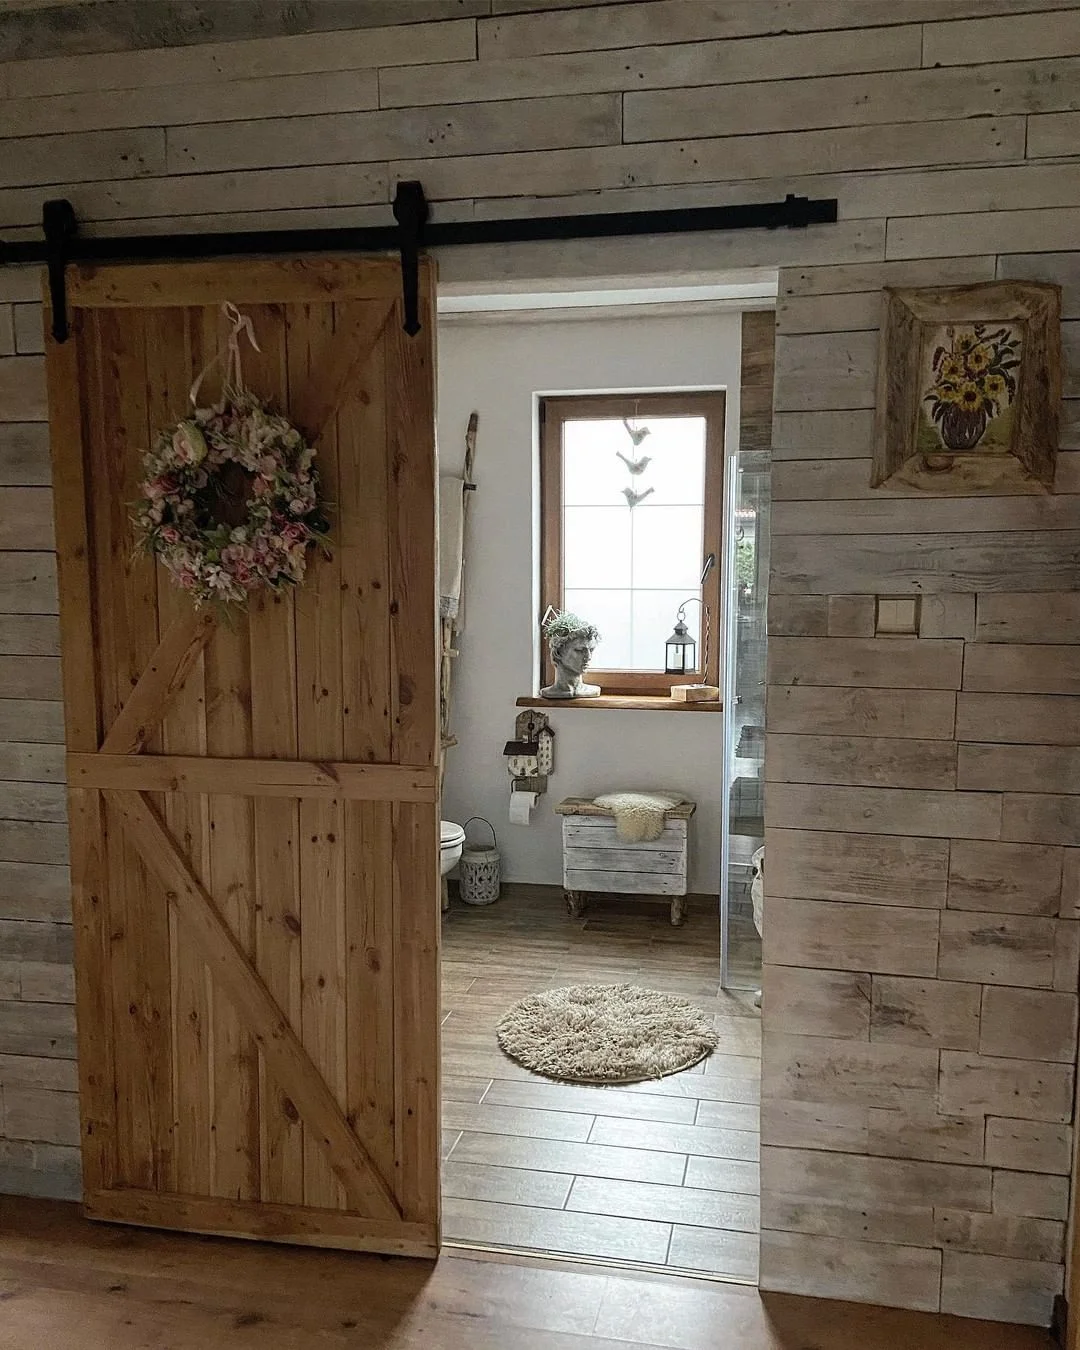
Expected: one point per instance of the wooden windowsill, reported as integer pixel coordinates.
(622, 702)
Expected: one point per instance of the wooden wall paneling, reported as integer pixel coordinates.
(891, 96)
(364, 550)
(929, 714)
(869, 869)
(1028, 618)
(1031, 561)
(942, 815)
(1012, 38)
(280, 96)
(512, 33)
(28, 583)
(886, 663)
(720, 161)
(277, 846)
(678, 65)
(261, 56)
(84, 157)
(24, 453)
(756, 378)
(875, 761)
(128, 46)
(469, 129)
(1048, 230)
(29, 635)
(320, 696)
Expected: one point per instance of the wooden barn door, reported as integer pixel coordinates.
(253, 801)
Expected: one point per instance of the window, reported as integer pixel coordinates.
(631, 489)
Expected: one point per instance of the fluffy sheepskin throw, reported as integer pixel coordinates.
(639, 816)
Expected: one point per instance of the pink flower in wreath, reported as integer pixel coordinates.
(260, 487)
(291, 533)
(171, 534)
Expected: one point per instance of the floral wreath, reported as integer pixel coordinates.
(229, 499)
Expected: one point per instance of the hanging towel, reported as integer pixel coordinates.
(639, 816)
(451, 543)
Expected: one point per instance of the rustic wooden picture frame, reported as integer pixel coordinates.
(911, 320)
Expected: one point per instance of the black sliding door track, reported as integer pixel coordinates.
(62, 243)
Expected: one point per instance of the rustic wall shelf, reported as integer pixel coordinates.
(621, 703)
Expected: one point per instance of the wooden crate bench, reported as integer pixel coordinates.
(596, 860)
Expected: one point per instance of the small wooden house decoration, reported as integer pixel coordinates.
(522, 758)
(530, 756)
(968, 389)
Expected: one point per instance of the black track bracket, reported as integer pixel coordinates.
(411, 213)
(60, 227)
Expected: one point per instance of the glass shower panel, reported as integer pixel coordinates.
(744, 719)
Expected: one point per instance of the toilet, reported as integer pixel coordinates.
(451, 842)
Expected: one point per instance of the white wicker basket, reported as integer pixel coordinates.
(478, 870)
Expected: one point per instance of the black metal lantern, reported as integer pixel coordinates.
(680, 650)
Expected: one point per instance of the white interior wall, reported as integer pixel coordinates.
(498, 368)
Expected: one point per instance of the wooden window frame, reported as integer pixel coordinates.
(555, 412)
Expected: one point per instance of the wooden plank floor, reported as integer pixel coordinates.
(66, 1284)
(662, 1173)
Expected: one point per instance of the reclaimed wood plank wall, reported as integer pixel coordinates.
(923, 906)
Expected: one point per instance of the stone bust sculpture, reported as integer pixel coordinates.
(571, 643)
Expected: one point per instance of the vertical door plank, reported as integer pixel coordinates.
(362, 539)
(140, 923)
(410, 408)
(68, 385)
(320, 697)
(169, 374)
(413, 538)
(416, 1005)
(277, 820)
(227, 661)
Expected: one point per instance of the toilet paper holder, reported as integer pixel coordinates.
(530, 756)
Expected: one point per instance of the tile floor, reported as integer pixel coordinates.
(661, 1173)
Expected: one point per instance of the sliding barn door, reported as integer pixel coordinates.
(253, 799)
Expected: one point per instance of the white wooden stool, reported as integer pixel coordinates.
(595, 860)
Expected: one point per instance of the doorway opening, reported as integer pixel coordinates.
(660, 1173)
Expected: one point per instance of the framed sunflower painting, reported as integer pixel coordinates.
(969, 389)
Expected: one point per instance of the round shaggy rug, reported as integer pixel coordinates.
(605, 1033)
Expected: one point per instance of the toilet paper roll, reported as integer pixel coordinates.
(521, 804)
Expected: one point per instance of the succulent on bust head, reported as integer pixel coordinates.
(564, 626)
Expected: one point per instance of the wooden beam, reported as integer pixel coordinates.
(254, 777)
(169, 667)
(265, 1222)
(228, 963)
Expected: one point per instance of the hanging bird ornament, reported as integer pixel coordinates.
(636, 434)
(633, 498)
(635, 466)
